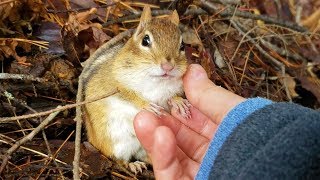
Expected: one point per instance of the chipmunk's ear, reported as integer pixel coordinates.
(146, 14)
(145, 18)
(174, 17)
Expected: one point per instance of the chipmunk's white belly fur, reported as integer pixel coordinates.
(121, 114)
(160, 92)
(153, 89)
(120, 128)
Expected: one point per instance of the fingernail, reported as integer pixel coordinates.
(197, 72)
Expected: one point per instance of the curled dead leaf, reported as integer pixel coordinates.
(311, 84)
(218, 59)
(313, 21)
(8, 48)
(189, 36)
(63, 69)
(78, 22)
(6, 8)
(291, 85)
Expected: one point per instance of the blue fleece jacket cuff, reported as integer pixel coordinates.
(235, 117)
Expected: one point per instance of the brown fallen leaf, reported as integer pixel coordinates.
(311, 84)
(189, 36)
(291, 84)
(93, 38)
(313, 21)
(63, 69)
(8, 46)
(6, 8)
(79, 21)
(51, 32)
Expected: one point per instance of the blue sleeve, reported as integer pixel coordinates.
(235, 117)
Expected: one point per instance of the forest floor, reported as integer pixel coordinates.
(253, 48)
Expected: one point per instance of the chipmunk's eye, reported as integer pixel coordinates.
(182, 46)
(146, 41)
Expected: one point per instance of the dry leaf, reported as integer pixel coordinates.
(62, 69)
(51, 32)
(312, 21)
(311, 84)
(189, 36)
(291, 84)
(78, 22)
(8, 48)
(5, 9)
(218, 59)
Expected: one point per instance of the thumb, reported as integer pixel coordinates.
(214, 101)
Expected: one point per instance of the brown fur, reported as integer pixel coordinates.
(167, 37)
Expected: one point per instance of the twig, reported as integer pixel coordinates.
(24, 104)
(257, 86)
(210, 8)
(76, 159)
(26, 138)
(121, 176)
(80, 9)
(229, 11)
(280, 65)
(231, 2)
(136, 16)
(154, 13)
(37, 152)
(282, 51)
(21, 77)
(61, 108)
(54, 156)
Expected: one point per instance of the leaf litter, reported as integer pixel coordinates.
(251, 56)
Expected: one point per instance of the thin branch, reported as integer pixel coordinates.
(26, 138)
(61, 108)
(38, 153)
(80, 9)
(21, 77)
(229, 11)
(24, 104)
(136, 16)
(274, 61)
(76, 159)
(225, 2)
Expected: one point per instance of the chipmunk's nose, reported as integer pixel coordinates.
(167, 66)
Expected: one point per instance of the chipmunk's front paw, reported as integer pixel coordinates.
(154, 108)
(182, 105)
(137, 166)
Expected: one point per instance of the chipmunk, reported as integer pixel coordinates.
(147, 70)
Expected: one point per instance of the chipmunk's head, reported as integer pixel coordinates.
(156, 48)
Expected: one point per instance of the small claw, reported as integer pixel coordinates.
(182, 105)
(137, 166)
(156, 109)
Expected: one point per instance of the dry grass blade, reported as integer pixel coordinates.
(42, 44)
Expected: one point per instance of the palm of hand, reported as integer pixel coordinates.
(183, 142)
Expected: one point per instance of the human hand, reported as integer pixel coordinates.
(177, 146)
